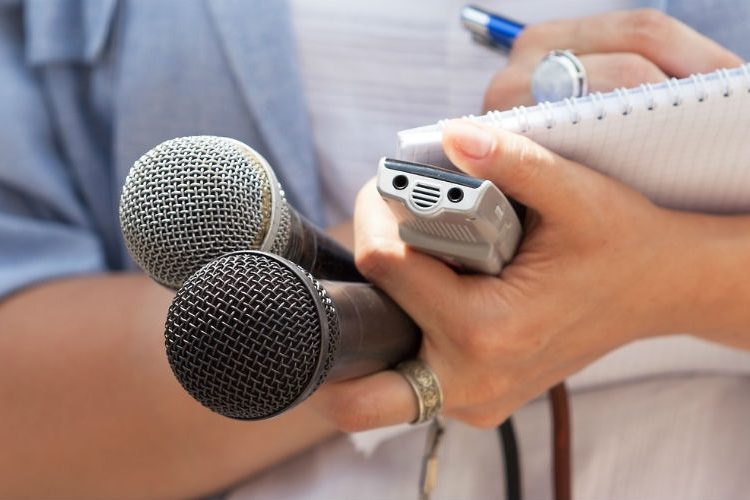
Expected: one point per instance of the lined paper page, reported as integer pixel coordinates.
(694, 155)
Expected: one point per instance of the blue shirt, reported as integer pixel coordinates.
(87, 86)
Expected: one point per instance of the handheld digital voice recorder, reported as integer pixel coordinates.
(464, 220)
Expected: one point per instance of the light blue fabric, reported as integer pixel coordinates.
(726, 21)
(87, 86)
(66, 31)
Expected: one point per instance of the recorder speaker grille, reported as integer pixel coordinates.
(425, 195)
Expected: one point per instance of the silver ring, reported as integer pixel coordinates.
(426, 387)
(558, 75)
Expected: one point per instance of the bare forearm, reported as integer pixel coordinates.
(90, 407)
(718, 297)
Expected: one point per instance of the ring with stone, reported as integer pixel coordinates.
(558, 75)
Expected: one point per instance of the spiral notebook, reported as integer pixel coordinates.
(683, 143)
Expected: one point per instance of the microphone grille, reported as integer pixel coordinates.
(250, 335)
(192, 199)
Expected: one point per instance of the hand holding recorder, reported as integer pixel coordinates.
(599, 266)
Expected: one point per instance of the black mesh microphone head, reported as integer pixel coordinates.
(192, 199)
(250, 335)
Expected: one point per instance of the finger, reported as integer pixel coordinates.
(487, 415)
(427, 289)
(420, 284)
(674, 47)
(521, 168)
(605, 72)
(509, 87)
(378, 400)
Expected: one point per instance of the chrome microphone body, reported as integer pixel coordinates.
(251, 335)
(192, 199)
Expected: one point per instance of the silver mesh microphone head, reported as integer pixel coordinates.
(250, 335)
(192, 199)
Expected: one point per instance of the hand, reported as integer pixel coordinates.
(600, 266)
(618, 49)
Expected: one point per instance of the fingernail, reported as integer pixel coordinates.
(473, 141)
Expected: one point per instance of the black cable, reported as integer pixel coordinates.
(507, 435)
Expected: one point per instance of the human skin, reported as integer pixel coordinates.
(91, 409)
(617, 49)
(586, 280)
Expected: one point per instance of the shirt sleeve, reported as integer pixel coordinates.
(45, 229)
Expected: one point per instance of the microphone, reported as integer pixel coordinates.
(251, 335)
(192, 199)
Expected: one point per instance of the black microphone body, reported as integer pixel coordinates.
(315, 251)
(375, 334)
(251, 335)
(190, 200)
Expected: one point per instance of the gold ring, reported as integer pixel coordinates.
(426, 387)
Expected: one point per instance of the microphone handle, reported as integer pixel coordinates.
(318, 253)
(374, 332)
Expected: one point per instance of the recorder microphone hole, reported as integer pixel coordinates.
(455, 194)
(400, 182)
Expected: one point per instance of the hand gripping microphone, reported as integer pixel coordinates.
(192, 199)
(250, 335)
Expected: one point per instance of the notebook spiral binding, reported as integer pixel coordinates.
(675, 88)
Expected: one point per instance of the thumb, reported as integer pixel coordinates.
(518, 166)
